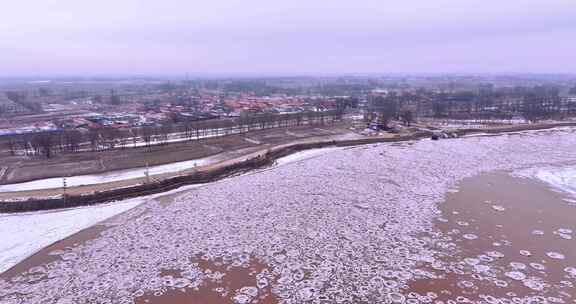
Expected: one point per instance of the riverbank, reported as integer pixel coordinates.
(95, 194)
(15, 169)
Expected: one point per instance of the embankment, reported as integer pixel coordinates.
(214, 173)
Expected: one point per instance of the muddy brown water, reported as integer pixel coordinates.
(220, 291)
(504, 211)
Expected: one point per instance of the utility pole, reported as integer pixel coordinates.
(147, 173)
(64, 187)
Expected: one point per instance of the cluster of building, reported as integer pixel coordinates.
(276, 104)
(169, 108)
(113, 105)
(44, 126)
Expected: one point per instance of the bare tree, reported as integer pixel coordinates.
(123, 136)
(439, 108)
(147, 133)
(135, 132)
(44, 143)
(72, 140)
(164, 131)
(111, 137)
(94, 138)
(188, 130)
(407, 117)
(12, 145)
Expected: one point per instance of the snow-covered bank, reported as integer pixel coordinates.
(562, 179)
(303, 155)
(107, 177)
(21, 235)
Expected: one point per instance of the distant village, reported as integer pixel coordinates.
(43, 106)
(57, 111)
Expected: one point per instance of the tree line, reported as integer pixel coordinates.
(533, 105)
(49, 143)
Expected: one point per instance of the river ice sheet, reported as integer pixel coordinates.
(353, 225)
(560, 178)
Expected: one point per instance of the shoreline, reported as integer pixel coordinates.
(230, 167)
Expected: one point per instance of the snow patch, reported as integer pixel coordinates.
(562, 179)
(107, 177)
(306, 154)
(21, 235)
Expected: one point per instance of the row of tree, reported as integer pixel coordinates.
(21, 99)
(532, 106)
(50, 143)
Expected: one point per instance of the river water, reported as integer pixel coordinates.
(430, 221)
(512, 240)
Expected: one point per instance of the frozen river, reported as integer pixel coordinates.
(352, 225)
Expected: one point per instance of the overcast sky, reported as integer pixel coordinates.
(90, 37)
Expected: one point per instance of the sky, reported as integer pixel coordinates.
(295, 37)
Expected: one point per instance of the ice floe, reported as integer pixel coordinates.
(350, 226)
(555, 255)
